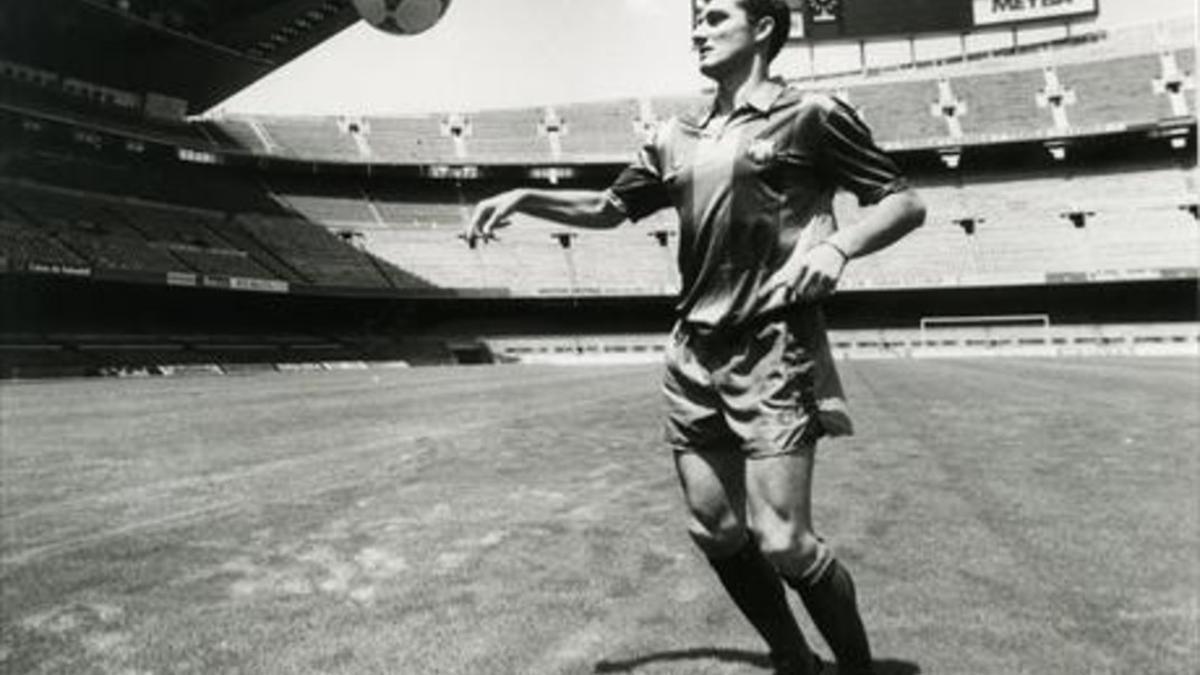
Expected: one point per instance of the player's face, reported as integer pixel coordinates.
(723, 38)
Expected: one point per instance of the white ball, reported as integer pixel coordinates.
(402, 17)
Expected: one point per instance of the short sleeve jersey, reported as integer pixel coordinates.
(752, 191)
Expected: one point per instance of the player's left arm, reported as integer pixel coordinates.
(854, 162)
(887, 222)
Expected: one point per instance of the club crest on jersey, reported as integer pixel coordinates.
(761, 151)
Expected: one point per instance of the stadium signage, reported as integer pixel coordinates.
(63, 270)
(229, 283)
(989, 12)
(838, 20)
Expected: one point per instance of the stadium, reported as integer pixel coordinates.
(263, 410)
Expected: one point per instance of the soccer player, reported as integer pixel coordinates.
(750, 384)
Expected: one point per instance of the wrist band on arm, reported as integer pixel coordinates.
(845, 256)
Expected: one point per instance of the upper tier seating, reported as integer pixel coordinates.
(409, 140)
(1116, 83)
(599, 128)
(507, 137)
(1002, 103)
(899, 110)
(311, 137)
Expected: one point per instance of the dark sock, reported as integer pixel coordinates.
(755, 587)
(832, 603)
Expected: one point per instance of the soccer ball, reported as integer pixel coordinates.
(402, 17)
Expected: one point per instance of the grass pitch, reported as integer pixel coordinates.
(1000, 516)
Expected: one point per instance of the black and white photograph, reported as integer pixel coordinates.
(578, 337)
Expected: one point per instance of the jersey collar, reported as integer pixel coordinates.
(761, 99)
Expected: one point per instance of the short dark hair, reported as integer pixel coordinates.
(779, 12)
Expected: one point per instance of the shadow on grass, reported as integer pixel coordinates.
(696, 654)
(882, 666)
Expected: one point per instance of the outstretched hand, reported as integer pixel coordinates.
(812, 277)
(490, 215)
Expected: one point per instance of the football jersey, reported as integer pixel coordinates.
(750, 190)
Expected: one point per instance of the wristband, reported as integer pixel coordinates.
(845, 256)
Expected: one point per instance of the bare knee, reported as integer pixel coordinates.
(794, 551)
(717, 535)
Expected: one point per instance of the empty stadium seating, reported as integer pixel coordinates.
(598, 130)
(241, 134)
(530, 258)
(312, 137)
(359, 232)
(316, 253)
(421, 215)
(1119, 91)
(1131, 223)
(90, 229)
(68, 229)
(22, 246)
(899, 110)
(508, 137)
(331, 205)
(1002, 103)
(411, 139)
(1102, 84)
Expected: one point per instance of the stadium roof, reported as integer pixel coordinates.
(201, 51)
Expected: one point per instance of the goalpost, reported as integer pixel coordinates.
(988, 325)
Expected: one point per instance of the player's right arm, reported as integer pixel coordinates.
(637, 192)
(592, 209)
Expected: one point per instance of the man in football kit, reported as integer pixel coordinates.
(750, 384)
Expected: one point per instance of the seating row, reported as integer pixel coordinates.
(1028, 102)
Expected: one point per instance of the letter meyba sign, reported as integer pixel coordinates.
(989, 12)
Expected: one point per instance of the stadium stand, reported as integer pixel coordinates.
(423, 215)
(24, 247)
(1002, 103)
(508, 137)
(332, 207)
(411, 139)
(900, 110)
(194, 237)
(1118, 90)
(88, 228)
(591, 128)
(155, 179)
(316, 253)
(245, 134)
(1096, 84)
(66, 228)
(1021, 229)
(28, 89)
(311, 137)
(331, 219)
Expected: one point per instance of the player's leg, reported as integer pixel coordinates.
(779, 502)
(712, 472)
(714, 489)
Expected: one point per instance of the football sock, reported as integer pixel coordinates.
(829, 596)
(755, 587)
